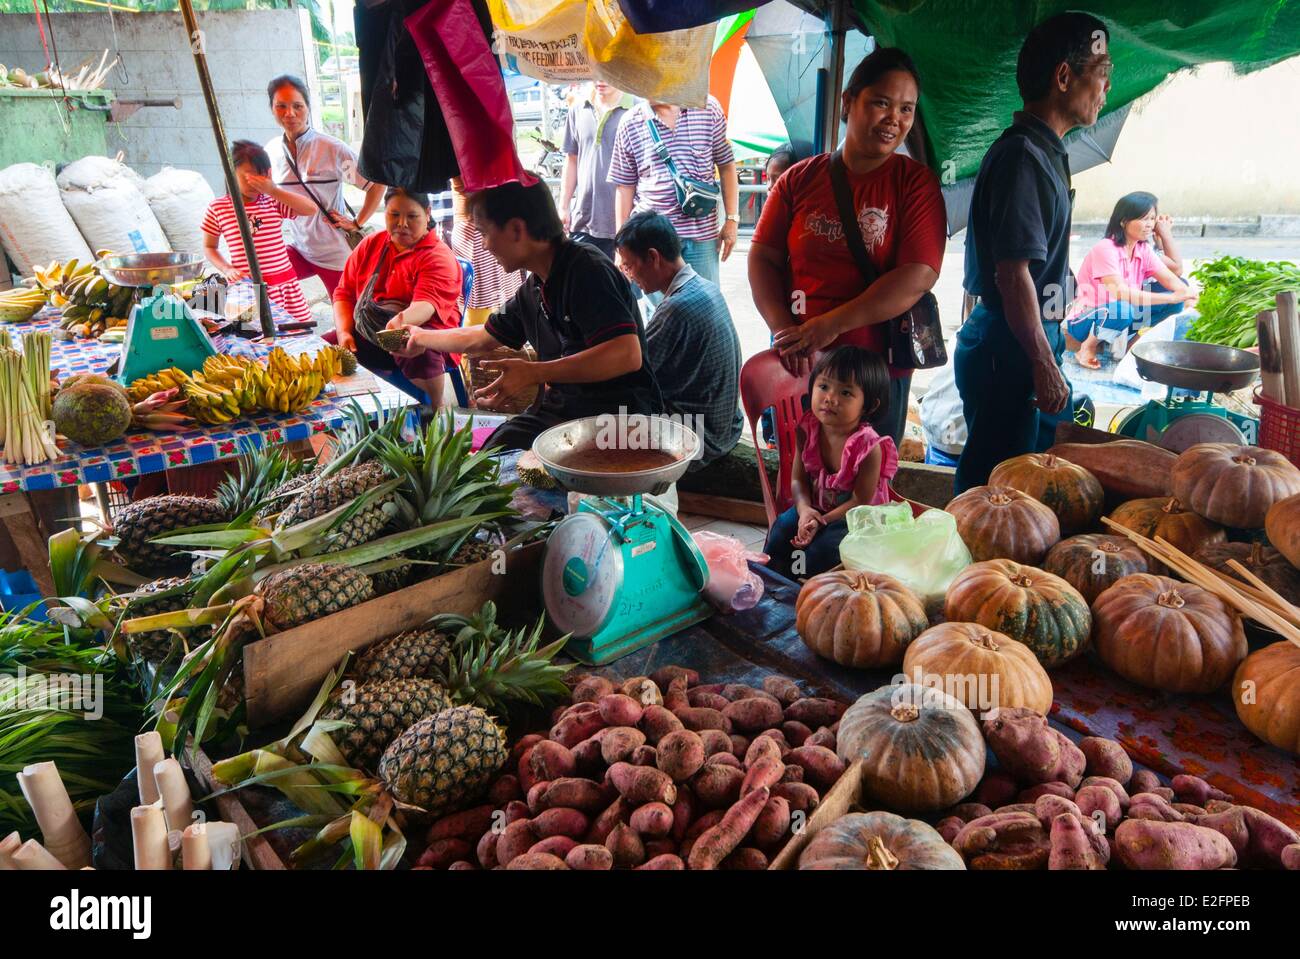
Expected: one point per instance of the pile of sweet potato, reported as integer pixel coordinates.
(659, 772)
(1053, 804)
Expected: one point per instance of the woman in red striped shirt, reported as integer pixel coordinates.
(267, 206)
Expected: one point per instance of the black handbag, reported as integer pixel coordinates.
(696, 198)
(370, 316)
(915, 337)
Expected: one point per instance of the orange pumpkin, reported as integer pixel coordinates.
(1167, 518)
(1233, 485)
(998, 522)
(1094, 561)
(1030, 605)
(1167, 635)
(859, 619)
(981, 668)
(1264, 561)
(1069, 491)
(1283, 528)
(1266, 692)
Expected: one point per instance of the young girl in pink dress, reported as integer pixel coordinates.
(842, 461)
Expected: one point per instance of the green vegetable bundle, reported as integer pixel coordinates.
(1233, 291)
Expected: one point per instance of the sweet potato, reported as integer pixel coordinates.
(705, 823)
(619, 710)
(557, 712)
(683, 812)
(1049, 806)
(617, 743)
(659, 847)
(1231, 825)
(778, 737)
(654, 820)
(555, 845)
(675, 696)
(1013, 840)
(504, 789)
(715, 741)
(1219, 805)
(747, 859)
(664, 675)
(1105, 757)
(1126, 469)
(1194, 789)
(573, 727)
(525, 743)
(1142, 781)
(763, 774)
(796, 733)
(644, 755)
(560, 821)
(644, 690)
(724, 759)
(1075, 846)
(997, 788)
(536, 860)
(801, 797)
(626, 846)
(587, 757)
(709, 687)
(739, 745)
(515, 840)
(701, 717)
(772, 827)
(949, 827)
(1024, 807)
(468, 824)
(443, 852)
(462, 865)
(657, 722)
(720, 841)
(1291, 857)
(486, 851)
(1112, 784)
(589, 857)
(814, 711)
(641, 784)
(1031, 750)
(680, 755)
(792, 774)
(786, 690)
(515, 809)
(1101, 805)
(1189, 810)
(823, 737)
(1258, 839)
(525, 770)
(1150, 844)
(663, 863)
(535, 797)
(706, 699)
(969, 810)
(592, 689)
(1045, 789)
(716, 785)
(734, 691)
(620, 810)
(1153, 807)
(821, 767)
(763, 747)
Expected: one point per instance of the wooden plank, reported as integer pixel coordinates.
(842, 797)
(722, 507)
(740, 531)
(19, 518)
(283, 672)
(256, 851)
(693, 521)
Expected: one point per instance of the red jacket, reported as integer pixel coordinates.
(427, 272)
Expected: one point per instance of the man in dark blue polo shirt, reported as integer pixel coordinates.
(1008, 357)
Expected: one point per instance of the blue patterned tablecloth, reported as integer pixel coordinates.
(136, 454)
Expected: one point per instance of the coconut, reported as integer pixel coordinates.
(91, 414)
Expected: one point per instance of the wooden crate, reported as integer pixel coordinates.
(842, 797)
(282, 673)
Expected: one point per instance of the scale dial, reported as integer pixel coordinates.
(582, 574)
(1186, 431)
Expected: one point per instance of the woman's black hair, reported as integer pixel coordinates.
(875, 65)
(1131, 206)
(246, 151)
(865, 370)
(416, 195)
(1065, 38)
(287, 80)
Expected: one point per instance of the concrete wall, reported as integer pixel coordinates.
(1207, 143)
(245, 49)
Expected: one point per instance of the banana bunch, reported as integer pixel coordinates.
(146, 386)
(289, 385)
(211, 402)
(89, 302)
(225, 369)
(21, 304)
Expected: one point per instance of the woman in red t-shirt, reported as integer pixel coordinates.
(400, 276)
(804, 279)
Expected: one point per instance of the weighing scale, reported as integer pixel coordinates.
(1179, 421)
(161, 332)
(620, 573)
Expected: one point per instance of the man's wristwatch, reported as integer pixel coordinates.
(733, 217)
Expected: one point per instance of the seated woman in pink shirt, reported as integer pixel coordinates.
(1111, 282)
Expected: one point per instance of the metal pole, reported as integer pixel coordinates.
(195, 37)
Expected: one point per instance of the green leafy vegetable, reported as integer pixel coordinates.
(1233, 291)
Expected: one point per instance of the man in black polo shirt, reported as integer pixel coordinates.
(576, 310)
(1008, 357)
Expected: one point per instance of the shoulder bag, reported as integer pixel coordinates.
(696, 198)
(354, 237)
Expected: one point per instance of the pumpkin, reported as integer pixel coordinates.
(1030, 605)
(1233, 485)
(1069, 491)
(1167, 635)
(1094, 561)
(998, 522)
(1264, 561)
(921, 749)
(858, 618)
(981, 668)
(1266, 692)
(1283, 528)
(878, 840)
(1167, 518)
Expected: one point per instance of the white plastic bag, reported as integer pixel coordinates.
(105, 199)
(179, 198)
(925, 552)
(34, 227)
(1126, 372)
(942, 418)
(732, 584)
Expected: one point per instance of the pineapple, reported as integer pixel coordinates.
(155, 645)
(391, 580)
(263, 474)
(139, 522)
(417, 653)
(334, 490)
(379, 712)
(303, 593)
(473, 551)
(444, 760)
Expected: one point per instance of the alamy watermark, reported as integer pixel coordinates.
(67, 692)
(979, 692)
(636, 431)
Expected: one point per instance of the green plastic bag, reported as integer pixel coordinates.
(924, 552)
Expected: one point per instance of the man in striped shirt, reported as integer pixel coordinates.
(696, 140)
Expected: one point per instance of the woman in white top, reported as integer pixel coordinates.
(318, 245)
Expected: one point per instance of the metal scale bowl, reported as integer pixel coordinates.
(1178, 422)
(161, 331)
(620, 572)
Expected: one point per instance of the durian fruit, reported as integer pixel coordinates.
(533, 473)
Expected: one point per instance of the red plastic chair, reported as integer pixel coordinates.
(764, 384)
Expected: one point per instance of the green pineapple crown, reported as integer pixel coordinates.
(260, 473)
